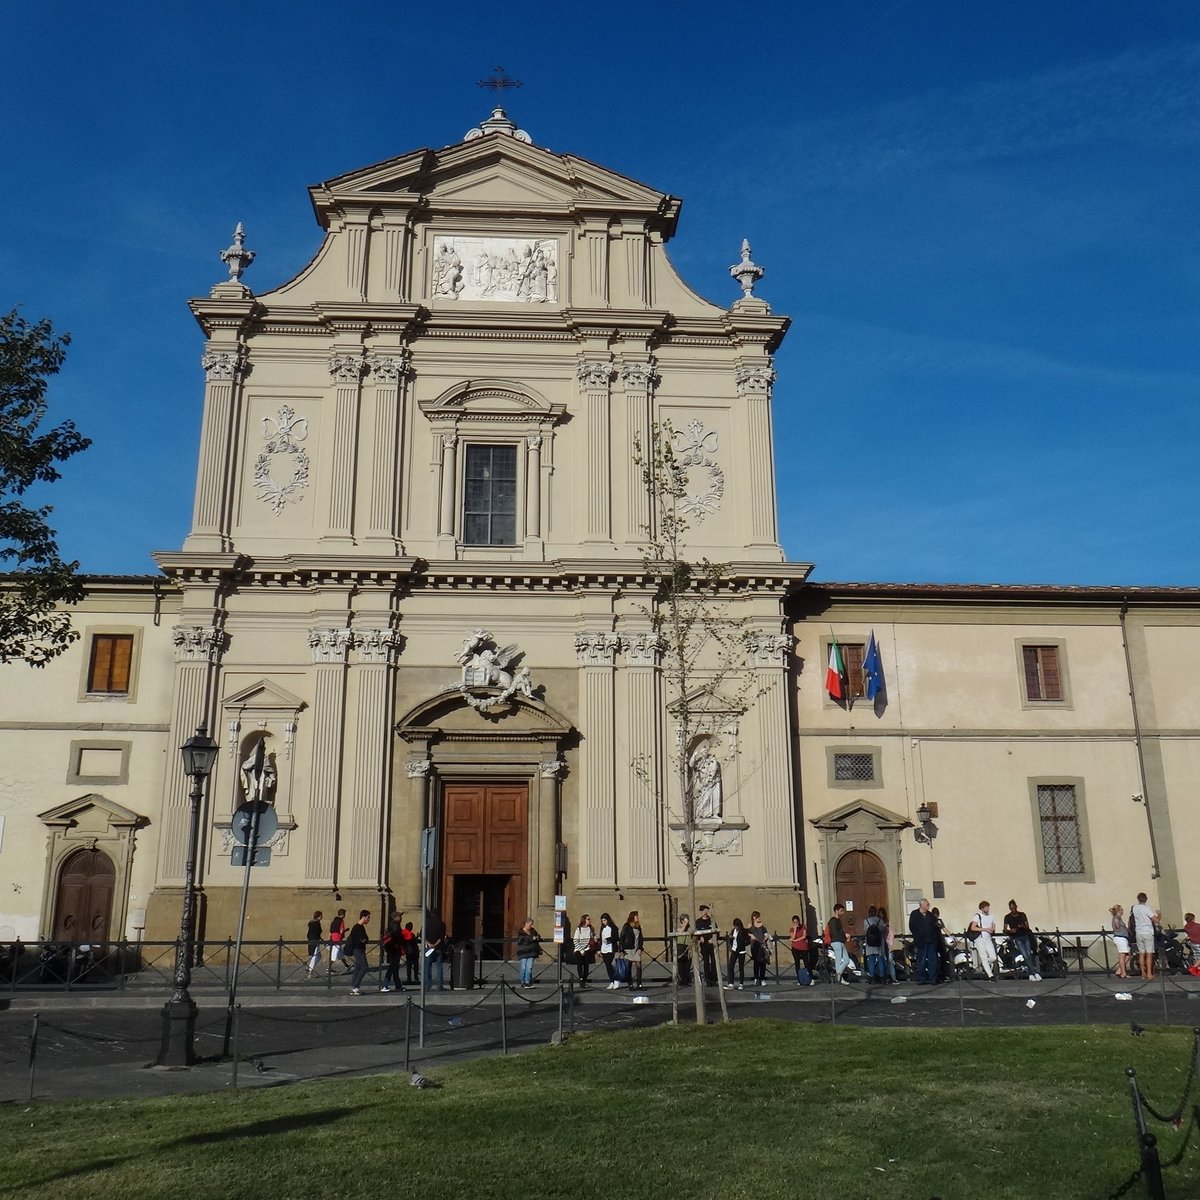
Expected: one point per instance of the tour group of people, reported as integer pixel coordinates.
(620, 950)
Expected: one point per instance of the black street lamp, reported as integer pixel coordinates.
(179, 1013)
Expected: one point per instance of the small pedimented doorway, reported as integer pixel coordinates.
(860, 860)
(860, 881)
(83, 900)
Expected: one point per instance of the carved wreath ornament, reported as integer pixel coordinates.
(283, 434)
(695, 449)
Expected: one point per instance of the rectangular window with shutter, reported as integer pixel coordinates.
(110, 663)
(1043, 680)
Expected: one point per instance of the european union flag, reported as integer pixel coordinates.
(873, 669)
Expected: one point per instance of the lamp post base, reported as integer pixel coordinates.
(178, 1045)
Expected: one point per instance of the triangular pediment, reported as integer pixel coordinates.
(70, 812)
(861, 812)
(264, 696)
(490, 174)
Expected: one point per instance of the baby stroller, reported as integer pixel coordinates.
(1174, 951)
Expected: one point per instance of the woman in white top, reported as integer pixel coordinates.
(609, 944)
(585, 947)
(1120, 937)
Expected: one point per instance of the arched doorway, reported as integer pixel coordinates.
(860, 881)
(83, 903)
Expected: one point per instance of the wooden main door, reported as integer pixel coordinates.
(485, 861)
(83, 904)
(860, 882)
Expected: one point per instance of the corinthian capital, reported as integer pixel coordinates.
(223, 364)
(377, 645)
(597, 649)
(329, 645)
(764, 647)
(754, 381)
(392, 366)
(595, 374)
(347, 368)
(639, 376)
(197, 643)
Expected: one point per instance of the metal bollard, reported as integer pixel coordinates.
(237, 1028)
(407, 1031)
(503, 1018)
(1082, 987)
(1162, 978)
(1151, 1167)
(33, 1039)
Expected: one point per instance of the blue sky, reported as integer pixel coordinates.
(981, 218)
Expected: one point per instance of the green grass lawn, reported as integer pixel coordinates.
(756, 1109)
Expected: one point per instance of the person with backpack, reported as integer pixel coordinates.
(979, 934)
(1142, 920)
(337, 937)
(393, 947)
(412, 954)
(873, 934)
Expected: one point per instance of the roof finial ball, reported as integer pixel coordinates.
(746, 272)
(237, 258)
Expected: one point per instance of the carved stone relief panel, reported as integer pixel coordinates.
(508, 270)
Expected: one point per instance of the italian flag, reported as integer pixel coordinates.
(835, 676)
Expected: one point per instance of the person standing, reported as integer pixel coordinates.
(926, 933)
(889, 944)
(980, 930)
(1016, 926)
(631, 946)
(610, 943)
(1143, 919)
(356, 948)
(873, 935)
(412, 954)
(738, 941)
(337, 937)
(584, 940)
(528, 948)
(708, 945)
(393, 947)
(760, 948)
(837, 943)
(798, 943)
(1120, 938)
(435, 945)
(683, 950)
(1191, 928)
(315, 936)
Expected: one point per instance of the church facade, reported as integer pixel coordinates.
(415, 578)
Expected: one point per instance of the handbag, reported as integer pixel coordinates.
(621, 970)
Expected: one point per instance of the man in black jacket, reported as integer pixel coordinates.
(708, 949)
(926, 936)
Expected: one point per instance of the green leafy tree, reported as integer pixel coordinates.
(37, 582)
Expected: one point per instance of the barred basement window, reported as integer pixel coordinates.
(853, 768)
(1058, 812)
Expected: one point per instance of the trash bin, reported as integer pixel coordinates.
(462, 967)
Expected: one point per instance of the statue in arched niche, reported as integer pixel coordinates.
(258, 774)
(705, 777)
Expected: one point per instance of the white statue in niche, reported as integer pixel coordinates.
(259, 775)
(705, 773)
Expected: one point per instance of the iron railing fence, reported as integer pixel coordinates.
(279, 964)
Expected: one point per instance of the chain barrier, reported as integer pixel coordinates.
(1119, 1192)
(1175, 1117)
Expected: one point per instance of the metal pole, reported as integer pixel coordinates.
(279, 965)
(1151, 1167)
(407, 1032)
(1162, 978)
(33, 1055)
(560, 1014)
(1137, 738)
(237, 1030)
(179, 1013)
(962, 1009)
(503, 1019)
(1082, 987)
(571, 1003)
(251, 845)
(424, 961)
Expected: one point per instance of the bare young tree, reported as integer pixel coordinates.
(692, 611)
